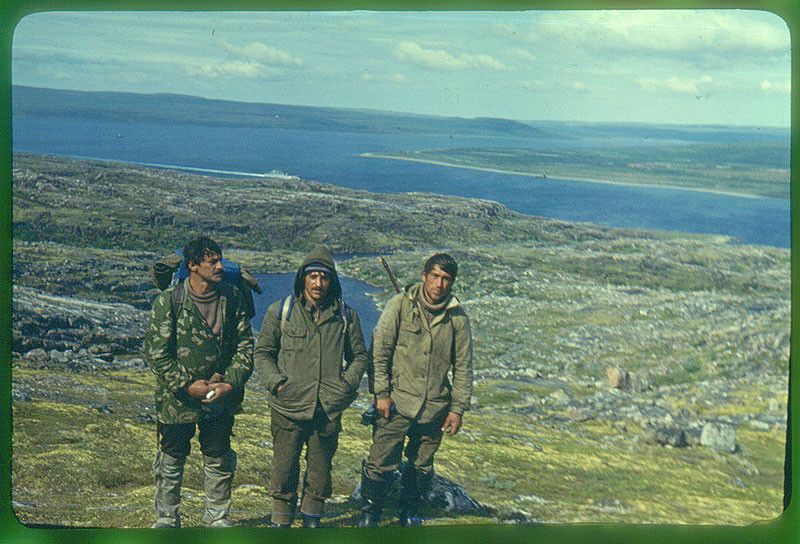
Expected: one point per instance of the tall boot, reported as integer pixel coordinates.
(311, 511)
(168, 471)
(282, 513)
(218, 476)
(414, 485)
(373, 493)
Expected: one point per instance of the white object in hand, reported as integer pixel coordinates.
(211, 393)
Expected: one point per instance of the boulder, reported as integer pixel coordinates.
(667, 436)
(445, 496)
(618, 378)
(719, 437)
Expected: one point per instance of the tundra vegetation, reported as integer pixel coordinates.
(621, 375)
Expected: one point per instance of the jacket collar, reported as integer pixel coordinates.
(412, 290)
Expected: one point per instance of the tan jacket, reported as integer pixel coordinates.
(412, 358)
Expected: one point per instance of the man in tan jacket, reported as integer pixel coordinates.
(310, 356)
(422, 336)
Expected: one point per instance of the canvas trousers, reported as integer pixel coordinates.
(388, 438)
(320, 436)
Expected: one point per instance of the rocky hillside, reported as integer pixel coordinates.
(621, 375)
(107, 205)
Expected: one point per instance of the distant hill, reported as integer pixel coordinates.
(192, 110)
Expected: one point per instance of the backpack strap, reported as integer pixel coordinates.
(177, 298)
(344, 312)
(286, 311)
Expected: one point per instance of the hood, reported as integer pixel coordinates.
(320, 255)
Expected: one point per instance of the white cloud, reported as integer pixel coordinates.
(263, 54)
(394, 78)
(523, 54)
(776, 87)
(235, 69)
(691, 86)
(438, 59)
(675, 32)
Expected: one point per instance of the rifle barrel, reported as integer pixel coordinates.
(389, 272)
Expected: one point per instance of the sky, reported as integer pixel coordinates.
(729, 67)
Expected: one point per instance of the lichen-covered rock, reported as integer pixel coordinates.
(719, 437)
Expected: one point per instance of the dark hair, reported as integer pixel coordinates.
(445, 262)
(196, 250)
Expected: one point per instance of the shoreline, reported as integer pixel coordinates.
(566, 178)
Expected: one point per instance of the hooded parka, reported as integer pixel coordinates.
(313, 361)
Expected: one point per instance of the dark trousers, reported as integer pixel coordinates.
(388, 437)
(215, 436)
(320, 436)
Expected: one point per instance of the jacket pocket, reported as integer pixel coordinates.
(293, 338)
(408, 335)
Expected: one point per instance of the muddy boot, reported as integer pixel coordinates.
(217, 479)
(415, 485)
(373, 493)
(168, 473)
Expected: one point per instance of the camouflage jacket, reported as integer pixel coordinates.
(182, 349)
(412, 358)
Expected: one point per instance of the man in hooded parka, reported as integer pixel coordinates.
(310, 356)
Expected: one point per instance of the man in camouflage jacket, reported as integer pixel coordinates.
(311, 362)
(423, 336)
(199, 345)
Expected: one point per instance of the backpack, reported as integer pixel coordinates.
(171, 270)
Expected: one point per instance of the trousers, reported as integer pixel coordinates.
(320, 436)
(388, 438)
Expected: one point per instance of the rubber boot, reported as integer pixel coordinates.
(373, 493)
(415, 484)
(217, 478)
(168, 473)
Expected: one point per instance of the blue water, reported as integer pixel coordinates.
(335, 158)
(354, 292)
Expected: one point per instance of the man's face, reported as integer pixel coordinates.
(437, 284)
(316, 286)
(209, 269)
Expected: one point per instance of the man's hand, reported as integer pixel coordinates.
(200, 388)
(220, 390)
(384, 406)
(452, 424)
